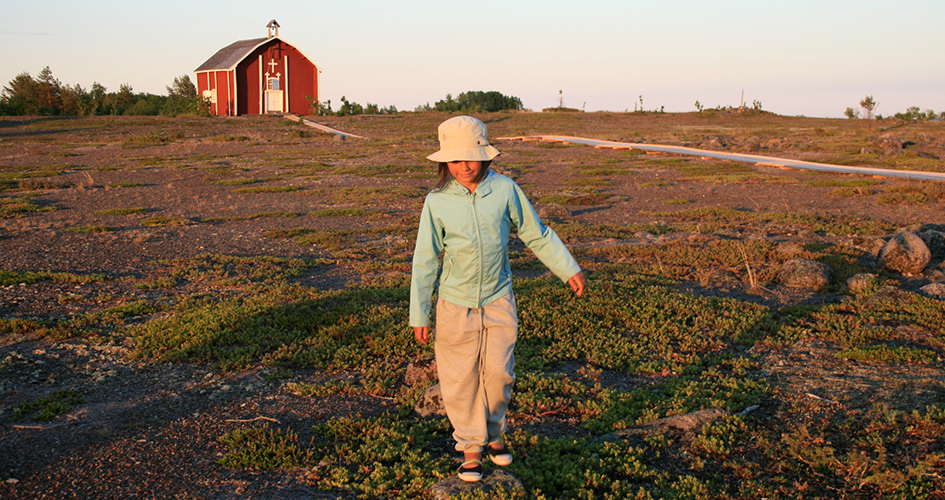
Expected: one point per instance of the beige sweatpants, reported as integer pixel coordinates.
(475, 363)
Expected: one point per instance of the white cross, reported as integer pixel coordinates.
(272, 65)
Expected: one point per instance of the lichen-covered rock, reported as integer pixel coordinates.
(905, 252)
(936, 290)
(554, 211)
(890, 293)
(889, 141)
(492, 480)
(859, 282)
(421, 371)
(789, 249)
(687, 424)
(431, 402)
(805, 273)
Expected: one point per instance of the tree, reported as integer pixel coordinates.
(851, 113)
(476, 101)
(26, 95)
(182, 88)
(869, 105)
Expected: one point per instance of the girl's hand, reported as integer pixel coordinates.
(422, 333)
(577, 284)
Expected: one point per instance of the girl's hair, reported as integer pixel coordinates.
(445, 178)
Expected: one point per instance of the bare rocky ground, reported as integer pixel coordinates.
(150, 430)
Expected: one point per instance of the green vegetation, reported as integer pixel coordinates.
(89, 229)
(343, 212)
(46, 409)
(121, 211)
(912, 194)
(8, 278)
(164, 221)
(235, 182)
(817, 223)
(20, 207)
(583, 199)
(268, 189)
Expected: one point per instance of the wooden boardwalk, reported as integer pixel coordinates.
(323, 128)
(758, 160)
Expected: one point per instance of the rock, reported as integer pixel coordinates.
(492, 480)
(935, 241)
(687, 423)
(890, 294)
(893, 152)
(889, 141)
(431, 402)
(859, 282)
(936, 290)
(870, 245)
(867, 151)
(905, 252)
(804, 273)
(721, 277)
(789, 249)
(554, 211)
(421, 371)
(923, 154)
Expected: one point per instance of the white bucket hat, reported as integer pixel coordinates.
(463, 138)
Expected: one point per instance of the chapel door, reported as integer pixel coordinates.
(273, 96)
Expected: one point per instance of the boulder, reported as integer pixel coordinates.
(554, 211)
(431, 402)
(905, 252)
(936, 290)
(804, 273)
(889, 141)
(789, 249)
(869, 244)
(860, 282)
(492, 480)
(867, 151)
(421, 371)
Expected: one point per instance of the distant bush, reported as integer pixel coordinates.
(914, 114)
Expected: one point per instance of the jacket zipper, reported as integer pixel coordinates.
(479, 240)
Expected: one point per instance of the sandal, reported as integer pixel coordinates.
(500, 456)
(470, 471)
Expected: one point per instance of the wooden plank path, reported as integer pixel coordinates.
(757, 160)
(323, 128)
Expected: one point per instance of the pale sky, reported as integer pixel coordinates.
(797, 57)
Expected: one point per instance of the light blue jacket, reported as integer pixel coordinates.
(471, 230)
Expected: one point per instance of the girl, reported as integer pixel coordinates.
(467, 218)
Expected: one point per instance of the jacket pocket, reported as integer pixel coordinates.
(447, 269)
